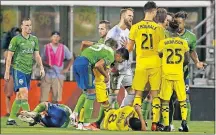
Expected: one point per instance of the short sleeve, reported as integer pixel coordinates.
(13, 44)
(36, 44)
(193, 43)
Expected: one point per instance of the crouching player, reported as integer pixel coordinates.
(174, 51)
(48, 115)
(124, 119)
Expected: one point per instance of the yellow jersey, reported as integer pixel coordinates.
(117, 119)
(173, 50)
(147, 35)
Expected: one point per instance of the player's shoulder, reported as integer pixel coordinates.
(190, 33)
(33, 36)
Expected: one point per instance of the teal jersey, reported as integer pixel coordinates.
(101, 40)
(68, 112)
(97, 52)
(191, 39)
(23, 52)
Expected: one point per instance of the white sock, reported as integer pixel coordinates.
(127, 100)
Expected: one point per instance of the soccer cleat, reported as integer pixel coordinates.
(28, 114)
(172, 127)
(11, 122)
(184, 127)
(160, 127)
(73, 120)
(79, 126)
(166, 129)
(26, 119)
(154, 126)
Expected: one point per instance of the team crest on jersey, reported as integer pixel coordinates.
(33, 43)
(21, 81)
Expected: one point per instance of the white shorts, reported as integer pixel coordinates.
(117, 80)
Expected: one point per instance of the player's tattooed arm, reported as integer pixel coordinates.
(195, 59)
(85, 44)
(8, 64)
(186, 58)
(139, 112)
(100, 67)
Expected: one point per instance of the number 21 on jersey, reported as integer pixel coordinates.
(147, 42)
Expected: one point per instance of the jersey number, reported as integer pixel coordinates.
(169, 60)
(146, 38)
(112, 118)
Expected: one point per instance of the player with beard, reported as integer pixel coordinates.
(180, 17)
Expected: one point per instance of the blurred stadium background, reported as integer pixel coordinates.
(78, 20)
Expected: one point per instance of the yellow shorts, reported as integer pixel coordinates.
(100, 87)
(142, 76)
(168, 86)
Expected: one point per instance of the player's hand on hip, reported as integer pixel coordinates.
(7, 76)
(200, 65)
(42, 73)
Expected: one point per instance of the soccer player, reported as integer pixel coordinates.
(147, 34)
(174, 53)
(121, 73)
(89, 67)
(23, 48)
(48, 115)
(103, 28)
(191, 39)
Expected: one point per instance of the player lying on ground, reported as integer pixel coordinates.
(48, 115)
(175, 53)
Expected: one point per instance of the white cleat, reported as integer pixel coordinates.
(26, 119)
(73, 119)
(172, 128)
(28, 114)
(79, 126)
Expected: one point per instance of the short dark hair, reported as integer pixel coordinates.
(149, 6)
(106, 22)
(123, 10)
(161, 15)
(25, 19)
(111, 42)
(124, 53)
(55, 33)
(181, 14)
(173, 26)
(135, 124)
(171, 14)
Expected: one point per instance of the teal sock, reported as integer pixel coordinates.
(80, 103)
(101, 113)
(15, 108)
(146, 106)
(88, 110)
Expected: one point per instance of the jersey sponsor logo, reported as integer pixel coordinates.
(21, 81)
(30, 50)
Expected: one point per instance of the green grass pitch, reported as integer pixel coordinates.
(196, 127)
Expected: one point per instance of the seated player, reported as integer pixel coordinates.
(48, 115)
(175, 53)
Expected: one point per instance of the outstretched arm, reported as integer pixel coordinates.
(139, 112)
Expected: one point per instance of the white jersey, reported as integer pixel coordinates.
(118, 34)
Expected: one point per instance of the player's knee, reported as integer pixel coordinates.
(91, 96)
(23, 94)
(135, 124)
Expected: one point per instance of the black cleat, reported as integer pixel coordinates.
(160, 127)
(11, 122)
(184, 127)
(166, 129)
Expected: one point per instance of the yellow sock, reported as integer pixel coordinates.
(165, 113)
(183, 107)
(137, 100)
(156, 109)
(81, 115)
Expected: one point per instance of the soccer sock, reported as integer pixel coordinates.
(88, 108)
(156, 109)
(188, 111)
(184, 110)
(40, 108)
(101, 111)
(25, 105)
(165, 113)
(80, 103)
(81, 115)
(128, 100)
(146, 106)
(137, 100)
(15, 108)
(112, 100)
